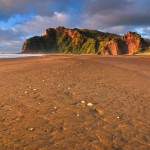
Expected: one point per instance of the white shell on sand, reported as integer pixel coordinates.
(31, 129)
(83, 102)
(89, 104)
(78, 115)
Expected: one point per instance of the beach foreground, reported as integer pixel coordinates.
(75, 102)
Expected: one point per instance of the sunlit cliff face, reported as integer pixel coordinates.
(84, 41)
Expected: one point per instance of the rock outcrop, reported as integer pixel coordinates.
(84, 41)
(134, 42)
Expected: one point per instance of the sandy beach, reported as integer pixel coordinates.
(75, 102)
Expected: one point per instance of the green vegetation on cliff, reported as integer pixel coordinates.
(79, 41)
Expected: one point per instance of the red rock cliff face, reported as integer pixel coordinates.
(129, 44)
(133, 42)
(112, 48)
(24, 47)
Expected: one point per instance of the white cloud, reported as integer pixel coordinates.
(144, 31)
(10, 46)
(37, 24)
(114, 29)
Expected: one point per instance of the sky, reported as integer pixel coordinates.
(22, 19)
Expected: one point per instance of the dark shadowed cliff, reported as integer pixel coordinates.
(84, 41)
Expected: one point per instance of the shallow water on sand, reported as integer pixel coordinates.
(2, 56)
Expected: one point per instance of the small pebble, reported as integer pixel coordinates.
(43, 80)
(73, 93)
(68, 88)
(100, 111)
(31, 129)
(83, 102)
(55, 107)
(25, 92)
(118, 117)
(34, 89)
(77, 115)
(89, 104)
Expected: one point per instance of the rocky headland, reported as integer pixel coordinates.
(84, 41)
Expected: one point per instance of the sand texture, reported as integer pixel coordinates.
(75, 102)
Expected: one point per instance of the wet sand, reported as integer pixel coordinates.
(44, 103)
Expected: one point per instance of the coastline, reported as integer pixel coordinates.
(3, 56)
(20, 55)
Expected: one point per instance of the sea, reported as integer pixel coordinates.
(3, 56)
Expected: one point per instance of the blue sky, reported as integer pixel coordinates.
(21, 19)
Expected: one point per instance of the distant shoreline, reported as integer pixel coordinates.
(13, 56)
(3, 56)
